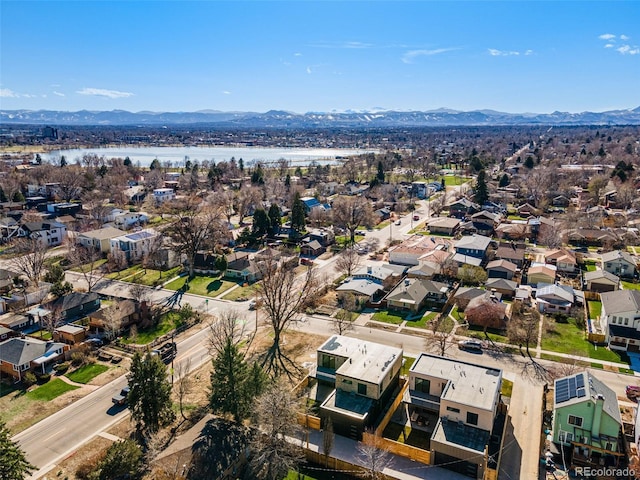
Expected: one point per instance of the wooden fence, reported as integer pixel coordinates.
(403, 384)
(402, 449)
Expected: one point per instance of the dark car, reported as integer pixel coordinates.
(121, 398)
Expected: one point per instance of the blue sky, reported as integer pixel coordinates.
(307, 56)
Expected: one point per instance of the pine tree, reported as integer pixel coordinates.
(481, 191)
(261, 223)
(275, 220)
(297, 214)
(380, 175)
(13, 463)
(504, 180)
(150, 395)
(123, 460)
(229, 382)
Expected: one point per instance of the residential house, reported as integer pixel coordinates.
(205, 263)
(74, 305)
(20, 323)
(128, 220)
(123, 313)
(564, 260)
(587, 421)
(134, 246)
(370, 281)
(542, 227)
(418, 247)
(514, 230)
(324, 236)
(501, 269)
(424, 269)
(561, 201)
(463, 207)
(6, 280)
(554, 298)
(619, 263)
(463, 402)
(600, 281)
(312, 249)
(9, 228)
(382, 214)
(242, 268)
(591, 237)
(513, 252)
(527, 210)
(477, 313)
(49, 234)
(312, 203)
(471, 250)
(19, 355)
(541, 273)
(486, 222)
(507, 288)
(464, 295)
(363, 375)
(99, 239)
(414, 294)
(620, 319)
(162, 195)
(443, 225)
(70, 334)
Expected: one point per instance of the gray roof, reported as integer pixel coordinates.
(564, 292)
(469, 292)
(19, 351)
(360, 286)
(616, 255)
(74, 299)
(598, 274)
(501, 283)
(413, 290)
(106, 233)
(476, 242)
(593, 388)
(620, 301)
(504, 264)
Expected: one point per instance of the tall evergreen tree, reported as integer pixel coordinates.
(261, 222)
(297, 214)
(275, 219)
(481, 191)
(150, 395)
(123, 461)
(155, 164)
(13, 462)
(380, 175)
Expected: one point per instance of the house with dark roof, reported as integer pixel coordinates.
(49, 234)
(586, 421)
(414, 294)
(465, 294)
(124, 313)
(501, 269)
(312, 249)
(19, 355)
(620, 319)
(19, 323)
(512, 252)
(507, 288)
(242, 268)
(619, 263)
(471, 247)
(74, 305)
(462, 207)
(7, 333)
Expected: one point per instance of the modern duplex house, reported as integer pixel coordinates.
(620, 319)
(619, 263)
(587, 421)
(99, 239)
(49, 234)
(134, 245)
(364, 376)
(162, 195)
(463, 399)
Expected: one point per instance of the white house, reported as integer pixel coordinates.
(127, 220)
(134, 245)
(162, 195)
(620, 319)
(50, 234)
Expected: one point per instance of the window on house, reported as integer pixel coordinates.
(575, 421)
(626, 321)
(565, 437)
(422, 385)
(453, 409)
(610, 446)
(472, 418)
(362, 388)
(329, 362)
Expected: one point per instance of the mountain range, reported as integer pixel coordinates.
(349, 119)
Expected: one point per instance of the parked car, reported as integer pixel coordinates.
(252, 305)
(398, 222)
(121, 398)
(416, 217)
(633, 392)
(472, 345)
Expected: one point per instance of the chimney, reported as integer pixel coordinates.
(597, 416)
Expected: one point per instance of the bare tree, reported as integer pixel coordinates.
(523, 327)
(112, 321)
(436, 204)
(440, 341)
(246, 197)
(139, 293)
(351, 213)
(283, 298)
(374, 458)
(89, 261)
(184, 385)
(348, 261)
(226, 329)
(328, 439)
(30, 258)
(276, 413)
(51, 320)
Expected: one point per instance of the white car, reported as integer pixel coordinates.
(398, 222)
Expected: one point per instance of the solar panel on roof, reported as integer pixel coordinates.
(581, 392)
(580, 381)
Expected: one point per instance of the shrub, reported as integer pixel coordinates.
(29, 379)
(61, 367)
(44, 377)
(78, 358)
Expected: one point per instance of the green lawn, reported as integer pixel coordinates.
(168, 322)
(395, 318)
(241, 293)
(124, 273)
(459, 316)
(408, 363)
(381, 225)
(50, 390)
(88, 267)
(630, 285)
(475, 331)
(86, 373)
(151, 278)
(423, 322)
(201, 285)
(507, 387)
(569, 338)
(595, 308)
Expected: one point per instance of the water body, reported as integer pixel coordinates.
(179, 155)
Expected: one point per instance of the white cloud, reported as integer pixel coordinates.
(628, 50)
(342, 45)
(226, 92)
(507, 53)
(309, 70)
(297, 54)
(7, 93)
(624, 37)
(58, 94)
(411, 55)
(607, 36)
(101, 92)
(528, 52)
(609, 45)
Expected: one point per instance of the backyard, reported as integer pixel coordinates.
(86, 373)
(168, 321)
(396, 318)
(407, 435)
(201, 285)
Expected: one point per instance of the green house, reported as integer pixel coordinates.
(587, 421)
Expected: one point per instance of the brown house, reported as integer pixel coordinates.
(70, 334)
(125, 314)
(20, 355)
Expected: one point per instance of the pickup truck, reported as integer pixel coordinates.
(166, 352)
(121, 398)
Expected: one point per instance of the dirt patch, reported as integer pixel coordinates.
(87, 456)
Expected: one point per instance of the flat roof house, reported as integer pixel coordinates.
(134, 245)
(99, 239)
(465, 400)
(364, 375)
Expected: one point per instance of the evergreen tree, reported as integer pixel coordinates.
(241, 165)
(275, 219)
(63, 161)
(380, 175)
(481, 191)
(504, 180)
(18, 197)
(529, 163)
(221, 263)
(261, 223)
(155, 164)
(123, 461)
(127, 162)
(297, 214)
(257, 177)
(287, 181)
(150, 395)
(13, 462)
(229, 383)
(3, 196)
(38, 159)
